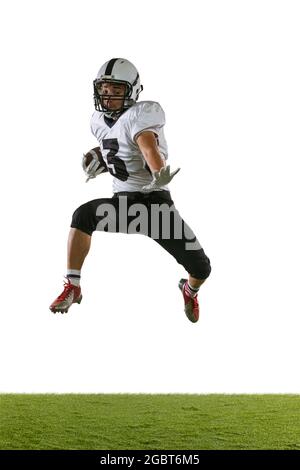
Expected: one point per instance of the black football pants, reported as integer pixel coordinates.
(164, 225)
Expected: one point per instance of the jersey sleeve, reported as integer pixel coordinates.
(149, 116)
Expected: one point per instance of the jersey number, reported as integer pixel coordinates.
(115, 165)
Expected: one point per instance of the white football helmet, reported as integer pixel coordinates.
(118, 71)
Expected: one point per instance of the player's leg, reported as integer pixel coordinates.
(183, 245)
(84, 222)
(197, 265)
(78, 247)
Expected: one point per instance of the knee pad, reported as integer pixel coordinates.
(199, 265)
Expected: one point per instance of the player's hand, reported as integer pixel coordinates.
(160, 178)
(93, 169)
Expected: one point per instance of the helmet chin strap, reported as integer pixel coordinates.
(116, 114)
(112, 114)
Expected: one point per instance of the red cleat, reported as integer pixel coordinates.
(70, 295)
(191, 306)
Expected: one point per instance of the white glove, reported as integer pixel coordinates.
(160, 178)
(93, 169)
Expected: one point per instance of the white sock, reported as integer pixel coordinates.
(191, 291)
(74, 276)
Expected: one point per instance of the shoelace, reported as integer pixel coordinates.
(67, 289)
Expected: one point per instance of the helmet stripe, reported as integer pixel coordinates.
(109, 66)
(136, 79)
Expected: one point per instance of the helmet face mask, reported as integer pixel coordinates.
(117, 81)
(106, 102)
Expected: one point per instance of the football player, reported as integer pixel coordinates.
(132, 147)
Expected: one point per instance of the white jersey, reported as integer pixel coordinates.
(119, 149)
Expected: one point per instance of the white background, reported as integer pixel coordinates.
(227, 74)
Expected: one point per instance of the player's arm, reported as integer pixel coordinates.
(161, 173)
(148, 146)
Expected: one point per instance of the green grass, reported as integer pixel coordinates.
(155, 422)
